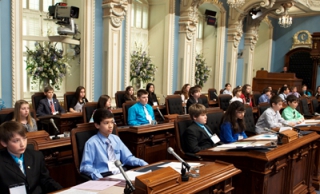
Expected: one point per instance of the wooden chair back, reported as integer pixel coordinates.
(181, 124)
(67, 100)
(214, 120)
(119, 98)
(174, 104)
(6, 114)
(125, 108)
(87, 111)
(223, 101)
(212, 94)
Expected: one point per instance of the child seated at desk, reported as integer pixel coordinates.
(194, 96)
(198, 136)
(141, 113)
(49, 105)
(271, 117)
(79, 99)
(232, 123)
(22, 115)
(104, 101)
(20, 165)
(290, 113)
(104, 148)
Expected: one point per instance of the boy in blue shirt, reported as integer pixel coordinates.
(141, 113)
(104, 148)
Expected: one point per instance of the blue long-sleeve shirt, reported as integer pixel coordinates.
(264, 98)
(95, 157)
(137, 116)
(227, 135)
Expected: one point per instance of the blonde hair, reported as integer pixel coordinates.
(16, 116)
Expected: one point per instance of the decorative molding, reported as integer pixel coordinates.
(16, 39)
(267, 3)
(127, 46)
(115, 10)
(302, 38)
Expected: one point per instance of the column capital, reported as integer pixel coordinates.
(115, 10)
(235, 33)
(189, 17)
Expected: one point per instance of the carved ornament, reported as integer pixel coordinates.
(302, 38)
(115, 10)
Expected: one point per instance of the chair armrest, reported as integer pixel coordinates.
(192, 155)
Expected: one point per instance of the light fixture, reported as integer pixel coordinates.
(236, 3)
(285, 21)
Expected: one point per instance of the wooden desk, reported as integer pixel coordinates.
(149, 142)
(285, 169)
(58, 157)
(265, 79)
(64, 121)
(215, 177)
(316, 170)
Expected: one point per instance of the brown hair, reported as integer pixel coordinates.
(236, 90)
(47, 89)
(9, 128)
(102, 101)
(193, 90)
(16, 112)
(184, 91)
(142, 92)
(78, 90)
(238, 125)
(275, 100)
(195, 110)
(127, 95)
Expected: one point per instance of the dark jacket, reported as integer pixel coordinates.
(37, 179)
(196, 139)
(44, 107)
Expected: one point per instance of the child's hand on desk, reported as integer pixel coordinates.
(291, 124)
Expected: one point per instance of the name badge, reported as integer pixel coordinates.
(215, 138)
(112, 167)
(155, 104)
(18, 189)
(240, 137)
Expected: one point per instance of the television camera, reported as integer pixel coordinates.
(64, 15)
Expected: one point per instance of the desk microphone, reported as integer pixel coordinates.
(129, 187)
(270, 130)
(171, 151)
(160, 113)
(56, 129)
(279, 135)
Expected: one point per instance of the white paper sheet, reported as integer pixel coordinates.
(76, 191)
(96, 185)
(131, 175)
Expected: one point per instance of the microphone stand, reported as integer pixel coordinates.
(128, 189)
(280, 136)
(184, 176)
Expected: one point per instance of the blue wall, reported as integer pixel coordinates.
(6, 76)
(98, 56)
(282, 39)
(240, 65)
(176, 47)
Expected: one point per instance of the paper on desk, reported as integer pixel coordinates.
(177, 165)
(263, 136)
(284, 129)
(76, 191)
(236, 144)
(131, 175)
(96, 185)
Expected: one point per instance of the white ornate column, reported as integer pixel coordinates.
(187, 40)
(250, 41)
(234, 36)
(87, 45)
(113, 15)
